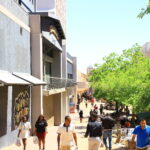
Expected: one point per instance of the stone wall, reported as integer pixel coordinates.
(14, 57)
(14, 45)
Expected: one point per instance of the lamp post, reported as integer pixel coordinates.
(146, 49)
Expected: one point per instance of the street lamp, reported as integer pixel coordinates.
(146, 49)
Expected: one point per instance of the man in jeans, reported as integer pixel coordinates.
(142, 132)
(94, 131)
(107, 124)
(66, 135)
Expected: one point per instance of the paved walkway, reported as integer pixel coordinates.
(51, 139)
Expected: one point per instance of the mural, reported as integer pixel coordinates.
(21, 107)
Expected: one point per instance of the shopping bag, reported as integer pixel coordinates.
(35, 140)
(18, 142)
(101, 144)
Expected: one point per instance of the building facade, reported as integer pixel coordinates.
(82, 84)
(72, 75)
(47, 64)
(14, 57)
(33, 50)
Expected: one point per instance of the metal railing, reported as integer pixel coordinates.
(57, 83)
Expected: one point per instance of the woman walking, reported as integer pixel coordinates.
(24, 131)
(40, 126)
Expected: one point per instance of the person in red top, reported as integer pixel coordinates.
(92, 101)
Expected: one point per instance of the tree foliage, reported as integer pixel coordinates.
(123, 78)
(144, 11)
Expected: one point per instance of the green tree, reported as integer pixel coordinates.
(144, 11)
(123, 78)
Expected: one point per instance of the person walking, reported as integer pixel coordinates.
(41, 130)
(66, 135)
(101, 109)
(81, 115)
(107, 124)
(142, 132)
(24, 131)
(92, 101)
(94, 131)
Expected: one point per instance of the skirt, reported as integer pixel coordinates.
(41, 135)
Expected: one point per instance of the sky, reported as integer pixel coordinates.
(95, 28)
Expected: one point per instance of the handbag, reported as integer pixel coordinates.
(35, 140)
(18, 142)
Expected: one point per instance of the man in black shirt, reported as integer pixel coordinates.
(107, 124)
(94, 131)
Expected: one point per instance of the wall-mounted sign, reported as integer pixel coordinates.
(21, 107)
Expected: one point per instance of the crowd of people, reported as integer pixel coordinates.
(99, 130)
(101, 126)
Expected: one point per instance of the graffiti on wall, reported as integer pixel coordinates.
(21, 107)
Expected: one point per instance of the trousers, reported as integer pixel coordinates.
(94, 143)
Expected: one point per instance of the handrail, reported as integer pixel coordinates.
(57, 83)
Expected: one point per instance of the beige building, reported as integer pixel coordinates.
(50, 62)
(82, 82)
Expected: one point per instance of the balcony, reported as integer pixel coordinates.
(58, 83)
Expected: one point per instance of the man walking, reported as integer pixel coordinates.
(94, 131)
(107, 124)
(101, 109)
(66, 135)
(142, 132)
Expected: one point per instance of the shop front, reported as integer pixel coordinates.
(15, 102)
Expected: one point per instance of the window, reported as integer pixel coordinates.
(47, 50)
(48, 68)
(70, 76)
(69, 68)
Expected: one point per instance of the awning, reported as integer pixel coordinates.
(52, 19)
(29, 78)
(53, 41)
(56, 21)
(9, 79)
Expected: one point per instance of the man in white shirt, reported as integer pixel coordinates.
(66, 135)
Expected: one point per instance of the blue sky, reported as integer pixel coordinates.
(95, 28)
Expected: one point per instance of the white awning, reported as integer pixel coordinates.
(8, 79)
(29, 78)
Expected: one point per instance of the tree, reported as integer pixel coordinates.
(144, 11)
(123, 78)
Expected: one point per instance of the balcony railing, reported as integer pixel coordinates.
(57, 83)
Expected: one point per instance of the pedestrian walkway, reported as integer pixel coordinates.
(51, 138)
